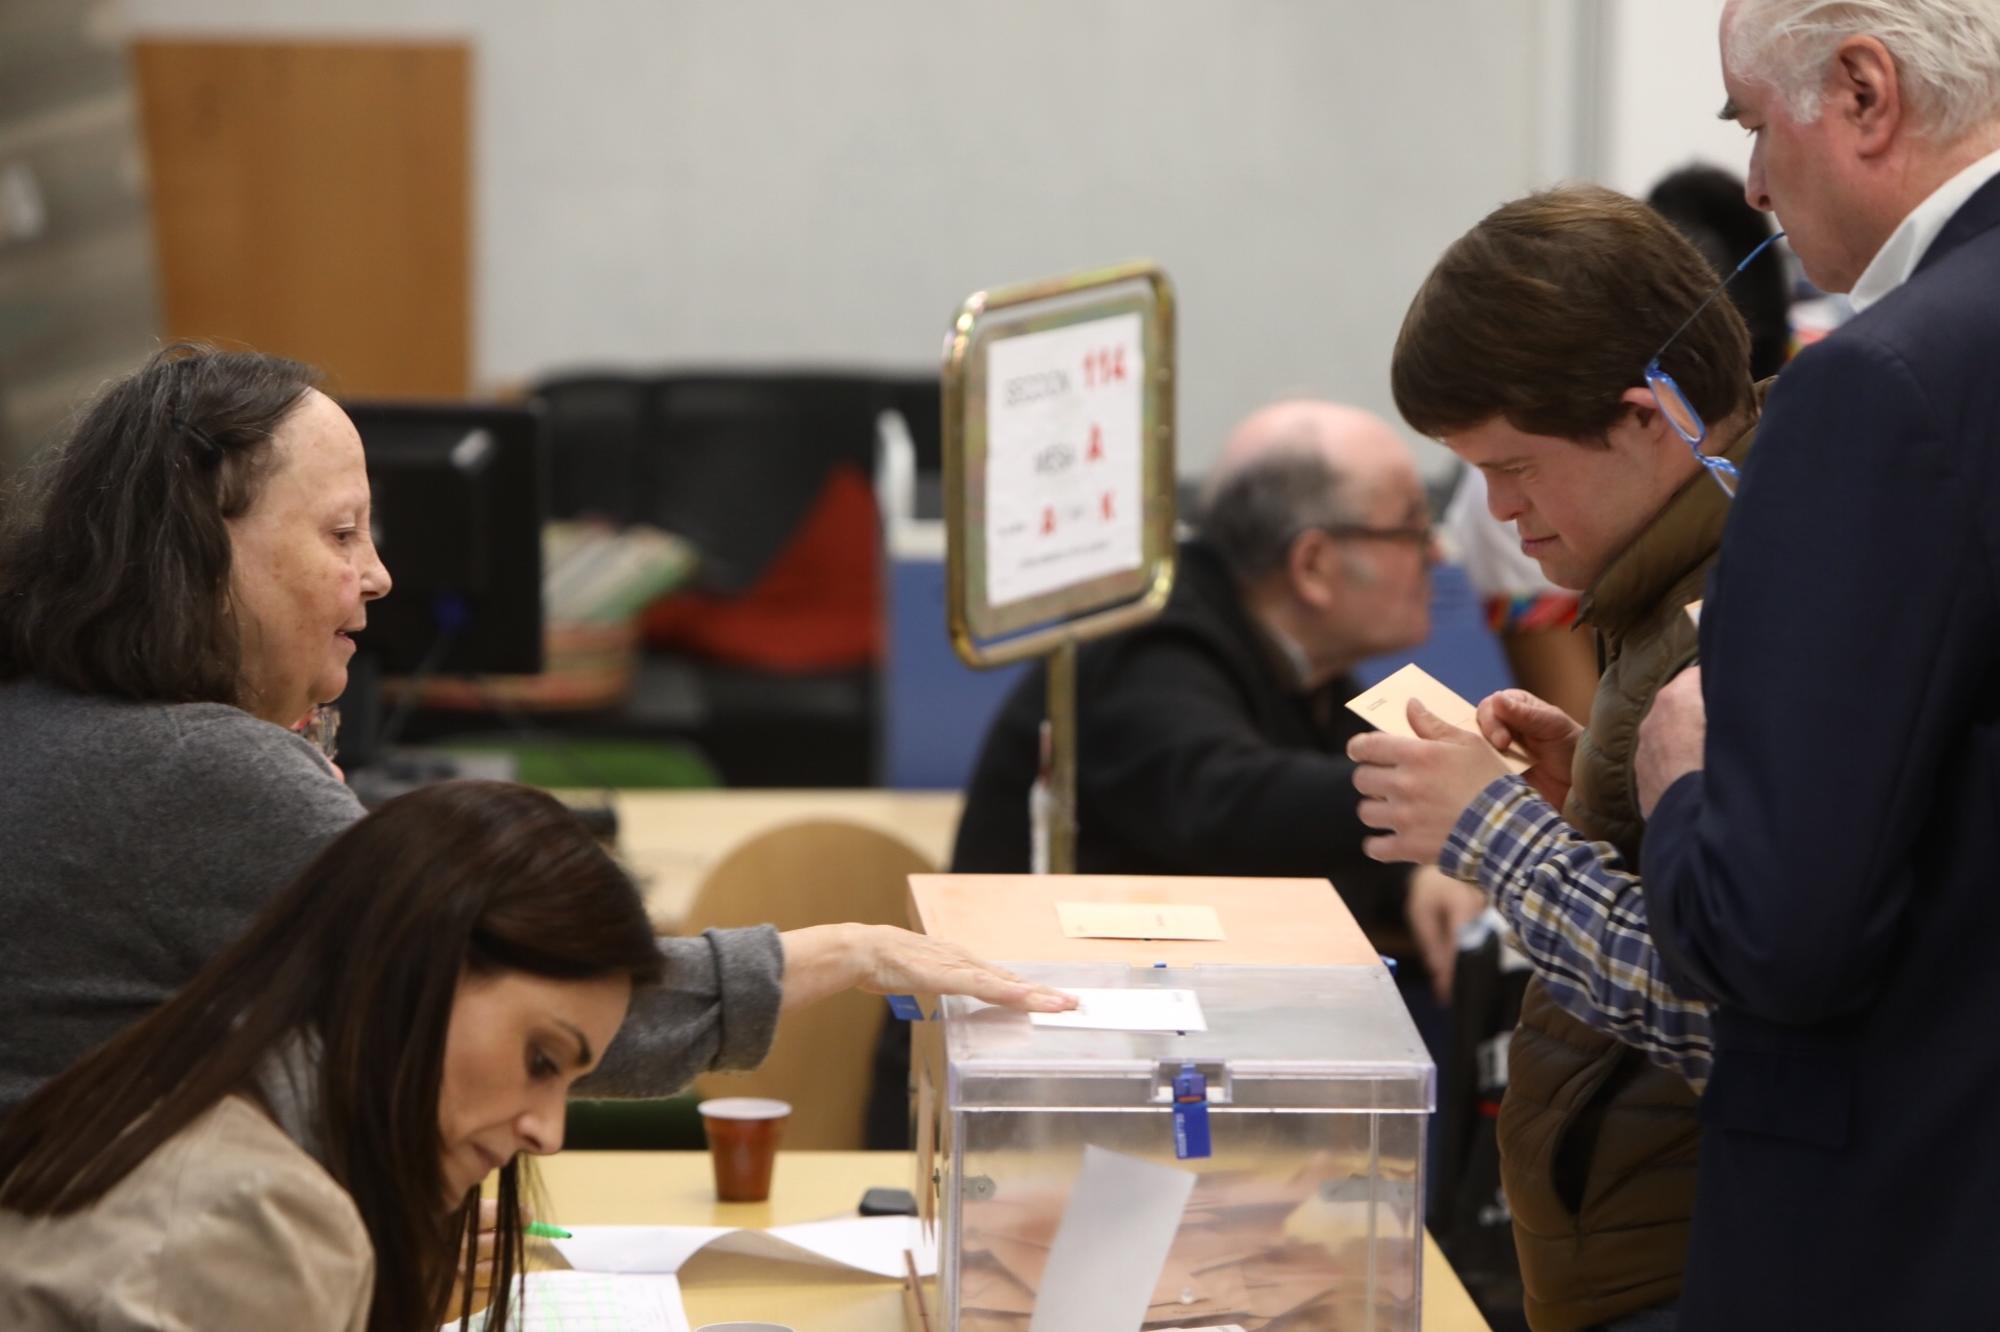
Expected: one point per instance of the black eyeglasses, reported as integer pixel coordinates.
(1421, 536)
(1674, 404)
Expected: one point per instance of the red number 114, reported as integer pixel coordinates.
(1103, 366)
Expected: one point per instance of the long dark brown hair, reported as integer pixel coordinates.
(361, 957)
(114, 551)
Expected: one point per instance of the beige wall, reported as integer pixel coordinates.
(768, 181)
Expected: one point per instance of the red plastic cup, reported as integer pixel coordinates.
(743, 1144)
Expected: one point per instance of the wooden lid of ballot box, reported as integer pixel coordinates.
(1265, 922)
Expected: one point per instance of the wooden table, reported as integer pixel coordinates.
(675, 1188)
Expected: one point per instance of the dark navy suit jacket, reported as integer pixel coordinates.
(1832, 879)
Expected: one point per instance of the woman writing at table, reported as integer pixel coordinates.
(181, 583)
(298, 1138)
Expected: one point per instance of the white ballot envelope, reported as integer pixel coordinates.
(1387, 708)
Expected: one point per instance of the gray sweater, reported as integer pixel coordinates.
(136, 840)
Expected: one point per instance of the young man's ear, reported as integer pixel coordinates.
(1642, 411)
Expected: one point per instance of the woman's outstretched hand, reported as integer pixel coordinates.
(823, 960)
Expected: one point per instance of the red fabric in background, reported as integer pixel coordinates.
(818, 606)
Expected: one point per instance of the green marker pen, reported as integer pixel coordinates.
(540, 1230)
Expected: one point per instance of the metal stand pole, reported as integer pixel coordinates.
(1062, 758)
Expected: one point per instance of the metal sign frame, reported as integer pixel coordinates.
(985, 635)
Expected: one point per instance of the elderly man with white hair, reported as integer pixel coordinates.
(1822, 870)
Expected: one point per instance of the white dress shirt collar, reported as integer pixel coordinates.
(1904, 250)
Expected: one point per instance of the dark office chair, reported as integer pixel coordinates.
(769, 475)
(598, 428)
(768, 662)
(740, 458)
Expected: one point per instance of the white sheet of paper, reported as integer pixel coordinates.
(864, 1243)
(635, 1248)
(593, 1302)
(1129, 1010)
(873, 1244)
(1121, 1220)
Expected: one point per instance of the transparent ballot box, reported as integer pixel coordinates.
(1065, 1167)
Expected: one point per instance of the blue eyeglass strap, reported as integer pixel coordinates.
(1762, 246)
(1749, 258)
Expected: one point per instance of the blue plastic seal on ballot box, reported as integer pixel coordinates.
(1190, 1114)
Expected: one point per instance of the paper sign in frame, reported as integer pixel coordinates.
(985, 635)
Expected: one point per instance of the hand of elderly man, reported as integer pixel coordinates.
(1439, 907)
(1671, 738)
(1416, 789)
(1516, 719)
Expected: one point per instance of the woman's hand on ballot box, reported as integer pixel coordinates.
(824, 960)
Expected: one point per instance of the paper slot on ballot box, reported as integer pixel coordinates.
(1387, 708)
(1138, 920)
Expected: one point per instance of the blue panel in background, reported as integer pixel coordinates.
(935, 708)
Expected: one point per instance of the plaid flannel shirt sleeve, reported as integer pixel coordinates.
(1580, 917)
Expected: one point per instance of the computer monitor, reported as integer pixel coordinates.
(457, 499)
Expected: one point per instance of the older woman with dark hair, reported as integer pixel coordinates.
(298, 1138)
(179, 585)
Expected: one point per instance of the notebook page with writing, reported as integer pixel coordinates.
(595, 1302)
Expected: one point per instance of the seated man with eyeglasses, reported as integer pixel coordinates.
(1211, 740)
(1572, 348)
